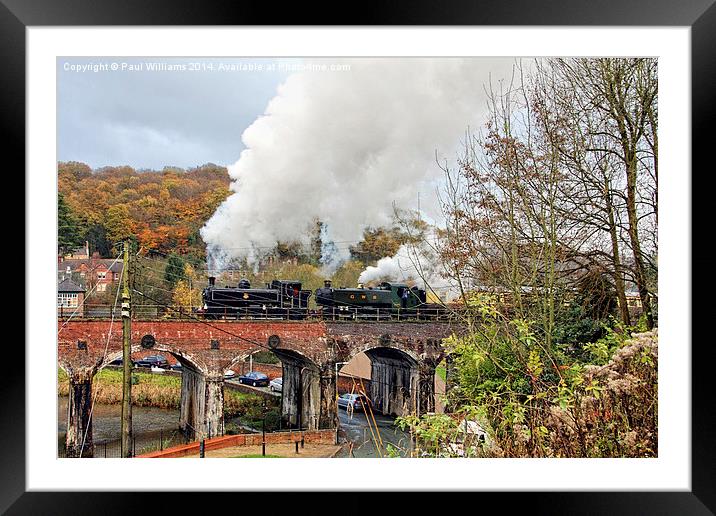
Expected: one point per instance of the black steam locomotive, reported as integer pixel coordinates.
(286, 300)
(280, 298)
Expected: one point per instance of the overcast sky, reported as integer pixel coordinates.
(152, 119)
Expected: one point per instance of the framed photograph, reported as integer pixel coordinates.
(325, 209)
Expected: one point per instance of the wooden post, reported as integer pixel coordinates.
(126, 449)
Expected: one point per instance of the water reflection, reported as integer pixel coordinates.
(106, 421)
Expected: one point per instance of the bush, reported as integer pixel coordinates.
(606, 409)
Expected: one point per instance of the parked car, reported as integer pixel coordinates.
(254, 378)
(120, 362)
(153, 360)
(276, 385)
(353, 401)
(229, 373)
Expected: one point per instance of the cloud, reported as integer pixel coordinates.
(153, 119)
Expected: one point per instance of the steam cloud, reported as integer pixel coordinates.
(344, 147)
(413, 264)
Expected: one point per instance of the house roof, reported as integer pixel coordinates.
(69, 286)
(91, 264)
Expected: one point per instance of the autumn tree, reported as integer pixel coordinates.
(377, 243)
(346, 275)
(187, 291)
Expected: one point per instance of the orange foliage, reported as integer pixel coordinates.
(163, 209)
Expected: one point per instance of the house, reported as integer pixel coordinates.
(70, 298)
(91, 272)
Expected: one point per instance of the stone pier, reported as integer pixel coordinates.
(201, 414)
(426, 386)
(79, 442)
(308, 393)
(394, 381)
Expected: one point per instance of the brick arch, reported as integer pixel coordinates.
(181, 355)
(378, 345)
(241, 357)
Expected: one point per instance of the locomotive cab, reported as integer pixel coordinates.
(404, 296)
(290, 293)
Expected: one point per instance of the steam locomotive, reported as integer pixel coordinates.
(286, 300)
(279, 298)
(384, 296)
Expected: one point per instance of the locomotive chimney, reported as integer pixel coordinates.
(212, 279)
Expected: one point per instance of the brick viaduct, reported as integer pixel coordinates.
(403, 357)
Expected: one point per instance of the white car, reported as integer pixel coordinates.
(229, 373)
(276, 385)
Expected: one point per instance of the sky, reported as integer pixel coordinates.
(153, 119)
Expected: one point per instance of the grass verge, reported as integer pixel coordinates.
(155, 390)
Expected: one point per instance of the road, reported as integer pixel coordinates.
(267, 390)
(358, 432)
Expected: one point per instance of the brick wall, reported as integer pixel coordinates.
(345, 384)
(190, 337)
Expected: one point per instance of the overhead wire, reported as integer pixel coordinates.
(104, 357)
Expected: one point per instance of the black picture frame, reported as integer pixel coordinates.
(700, 15)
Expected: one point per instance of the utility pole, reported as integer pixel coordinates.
(126, 449)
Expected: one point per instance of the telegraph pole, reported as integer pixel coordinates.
(126, 449)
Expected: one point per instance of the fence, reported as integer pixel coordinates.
(140, 444)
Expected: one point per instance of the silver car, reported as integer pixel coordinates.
(276, 385)
(353, 401)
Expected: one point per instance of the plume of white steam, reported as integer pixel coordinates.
(413, 264)
(345, 147)
(401, 267)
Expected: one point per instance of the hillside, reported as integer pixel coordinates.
(163, 210)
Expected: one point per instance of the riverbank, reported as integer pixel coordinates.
(155, 390)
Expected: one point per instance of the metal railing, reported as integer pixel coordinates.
(154, 312)
(141, 444)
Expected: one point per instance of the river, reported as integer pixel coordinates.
(149, 425)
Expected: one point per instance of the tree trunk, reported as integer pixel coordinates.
(616, 259)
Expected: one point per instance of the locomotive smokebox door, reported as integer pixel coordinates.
(274, 341)
(148, 341)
